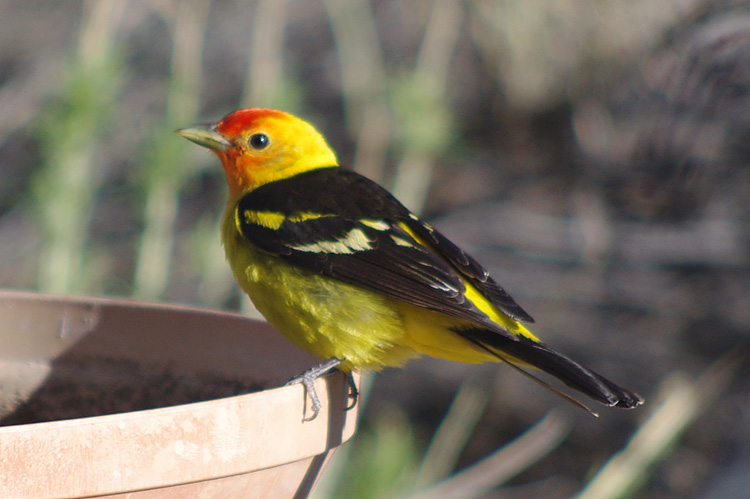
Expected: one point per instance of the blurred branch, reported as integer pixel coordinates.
(639, 266)
(707, 241)
(503, 464)
(683, 403)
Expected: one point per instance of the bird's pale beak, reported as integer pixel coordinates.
(206, 136)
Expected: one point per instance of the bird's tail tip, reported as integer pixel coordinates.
(624, 398)
(568, 371)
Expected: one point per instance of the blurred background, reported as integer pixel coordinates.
(593, 154)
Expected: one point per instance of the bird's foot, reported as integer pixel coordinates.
(307, 379)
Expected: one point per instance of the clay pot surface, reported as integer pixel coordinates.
(114, 398)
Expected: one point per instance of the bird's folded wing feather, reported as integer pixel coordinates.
(342, 225)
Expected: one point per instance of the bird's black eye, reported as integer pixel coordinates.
(259, 141)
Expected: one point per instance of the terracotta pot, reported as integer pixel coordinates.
(110, 398)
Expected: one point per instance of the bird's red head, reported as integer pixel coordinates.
(257, 146)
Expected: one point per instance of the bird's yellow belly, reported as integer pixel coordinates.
(324, 317)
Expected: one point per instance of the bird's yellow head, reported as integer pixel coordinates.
(257, 146)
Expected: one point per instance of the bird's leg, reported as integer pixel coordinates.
(307, 379)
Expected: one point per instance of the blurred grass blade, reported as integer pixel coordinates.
(363, 82)
(503, 464)
(422, 105)
(166, 170)
(265, 83)
(453, 433)
(683, 403)
(68, 181)
(382, 459)
(216, 282)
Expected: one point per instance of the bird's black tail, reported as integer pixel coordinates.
(558, 365)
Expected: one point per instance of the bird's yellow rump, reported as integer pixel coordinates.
(345, 271)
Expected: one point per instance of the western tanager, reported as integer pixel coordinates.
(346, 272)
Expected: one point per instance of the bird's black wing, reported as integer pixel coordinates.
(340, 224)
(470, 269)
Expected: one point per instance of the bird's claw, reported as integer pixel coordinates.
(307, 379)
(353, 391)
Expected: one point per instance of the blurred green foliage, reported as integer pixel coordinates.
(66, 186)
(384, 460)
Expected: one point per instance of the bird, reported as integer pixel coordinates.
(346, 272)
